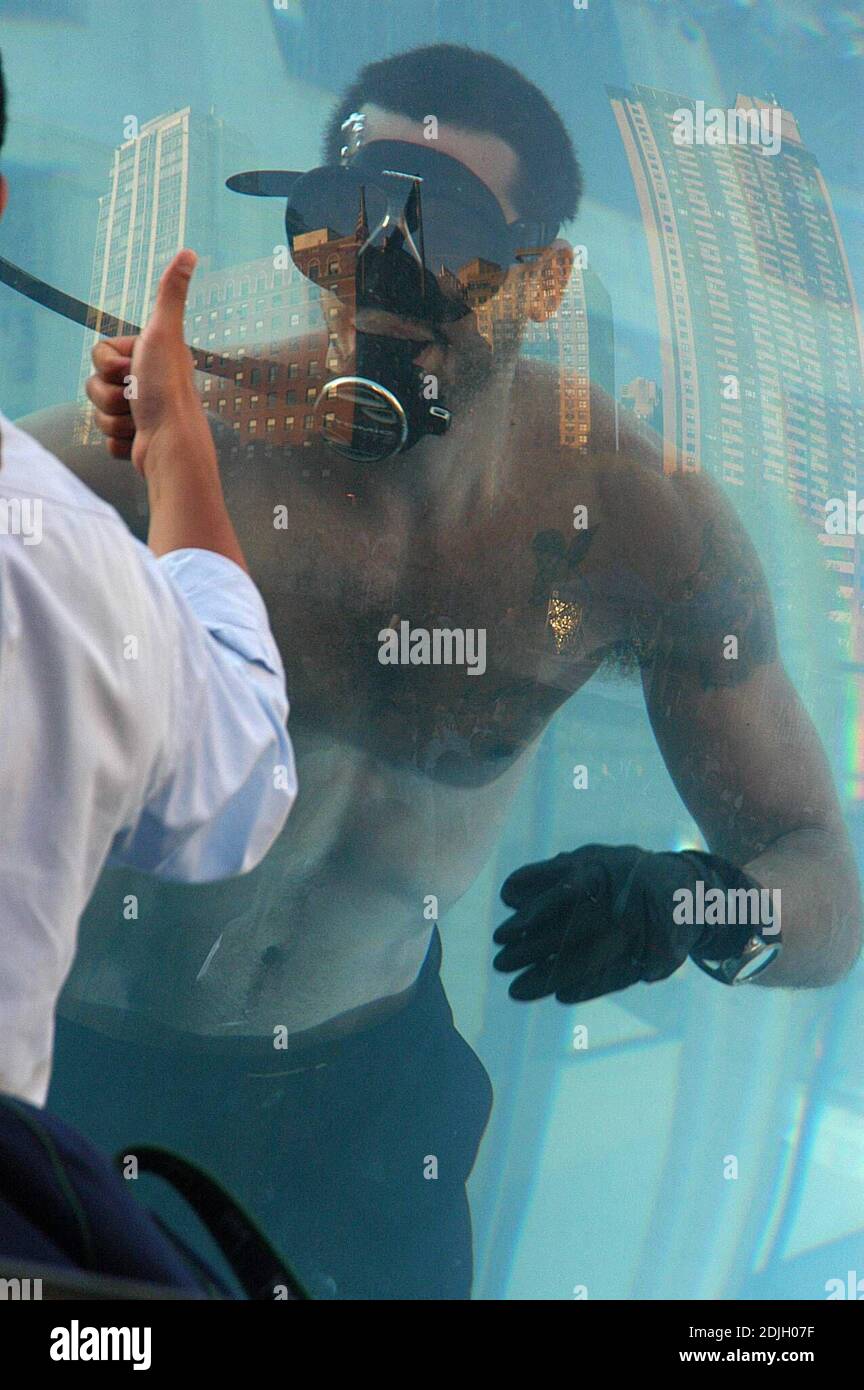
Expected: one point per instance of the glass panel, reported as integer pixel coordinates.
(596, 414)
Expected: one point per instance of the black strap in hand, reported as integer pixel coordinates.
(260, 1271)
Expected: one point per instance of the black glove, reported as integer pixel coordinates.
(601, 918)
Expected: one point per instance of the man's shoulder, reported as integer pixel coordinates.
(30, 469)
(63, 432)
(622, 464)
(65, 551)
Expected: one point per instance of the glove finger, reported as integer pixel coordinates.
(524, 883)
(616, 976)
(578, 934)
(584, 882)
(540, 945)
(535, 983)
(543, 979)
(554, 900)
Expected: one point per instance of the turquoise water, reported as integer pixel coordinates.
(604, 1167)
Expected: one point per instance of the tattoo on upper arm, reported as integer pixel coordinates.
(722, 623)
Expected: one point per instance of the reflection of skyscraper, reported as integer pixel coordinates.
(166, 191)
(644, 400)
(759, 328)
(578, 337)
(588, 301)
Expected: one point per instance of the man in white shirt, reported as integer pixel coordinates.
(142, 697)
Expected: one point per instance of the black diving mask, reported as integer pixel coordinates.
(408, 231)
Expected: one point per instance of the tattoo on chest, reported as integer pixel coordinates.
(556, 562)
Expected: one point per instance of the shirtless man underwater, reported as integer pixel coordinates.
(168, 1022)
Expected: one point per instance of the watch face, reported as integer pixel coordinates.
(736, 970)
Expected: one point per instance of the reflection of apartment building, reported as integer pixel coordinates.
(264, 324)
(269, 391)
(578, 337)
(760, 336)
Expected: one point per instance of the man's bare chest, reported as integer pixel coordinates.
(437, 646)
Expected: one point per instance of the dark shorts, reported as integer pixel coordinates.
(332, 1148)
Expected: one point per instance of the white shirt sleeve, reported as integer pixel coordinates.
(227, 779)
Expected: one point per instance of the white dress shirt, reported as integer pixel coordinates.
(142, 722)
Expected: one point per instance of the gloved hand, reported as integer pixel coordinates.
(601, 918)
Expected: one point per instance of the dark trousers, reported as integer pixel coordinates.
(352, 1155)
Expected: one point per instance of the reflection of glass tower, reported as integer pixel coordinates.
(760, 333)
(166, 191)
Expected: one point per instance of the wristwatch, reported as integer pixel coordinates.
(759, 952)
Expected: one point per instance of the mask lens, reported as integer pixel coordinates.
(457, 230)
(330, 199)
(456, 235)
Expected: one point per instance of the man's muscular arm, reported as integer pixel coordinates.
(739, 745)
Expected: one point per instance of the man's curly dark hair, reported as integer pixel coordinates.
(478, 92)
